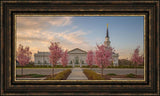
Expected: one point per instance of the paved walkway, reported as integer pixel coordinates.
(77, 74)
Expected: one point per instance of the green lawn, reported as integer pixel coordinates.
(32, 75)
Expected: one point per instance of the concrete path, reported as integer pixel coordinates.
(77, 74)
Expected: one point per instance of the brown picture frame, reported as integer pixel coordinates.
(10, 8)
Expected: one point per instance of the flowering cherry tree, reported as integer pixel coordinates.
(90, 58)
(103, 57)
(23, 56)
(64, 58)
(136, 58)
(55, 54)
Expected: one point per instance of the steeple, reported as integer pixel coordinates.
(107, 41)
(107, 35)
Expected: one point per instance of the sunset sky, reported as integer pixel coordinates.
(84, 32)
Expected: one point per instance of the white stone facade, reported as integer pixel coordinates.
(41, 58)
(77, 57)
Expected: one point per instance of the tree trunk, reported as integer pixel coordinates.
(53, 72)
(136, 69)
(91, 68)
(102, 71)
(22, 70)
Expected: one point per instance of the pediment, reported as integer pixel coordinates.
(77, 51)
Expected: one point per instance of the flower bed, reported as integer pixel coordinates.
(60, 76)
(91, 75)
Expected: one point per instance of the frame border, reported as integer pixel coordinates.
(10, 87)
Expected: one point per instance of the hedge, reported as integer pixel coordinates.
(91, 75)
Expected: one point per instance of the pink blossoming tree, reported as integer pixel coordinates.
(64, 58)
(55, 54)
(103, 57)
(90, 58)
(23, 56)
(136, 58)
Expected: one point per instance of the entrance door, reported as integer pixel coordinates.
(76, 61)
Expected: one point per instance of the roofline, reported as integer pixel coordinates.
(78, 49)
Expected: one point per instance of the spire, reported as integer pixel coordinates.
(107, 35)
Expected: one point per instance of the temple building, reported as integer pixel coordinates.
(77, 56)
(107, 43)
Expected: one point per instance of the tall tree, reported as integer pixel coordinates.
(23, 56)
(103, 57)
(64, 58)
(55, 54)
(90, 58)
(137, 58)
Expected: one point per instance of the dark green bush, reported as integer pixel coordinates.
(91, 75)
(112, 74)
(93, 66)
(131, 75)
(60, 66)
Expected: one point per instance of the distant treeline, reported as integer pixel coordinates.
(125, 62)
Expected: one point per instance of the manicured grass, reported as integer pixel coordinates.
(31, 75)
(91, 75)
(111, 74)
(60, 76)
(131, 75)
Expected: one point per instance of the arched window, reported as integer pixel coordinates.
(76, 60)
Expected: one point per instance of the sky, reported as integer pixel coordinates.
(84, 32)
